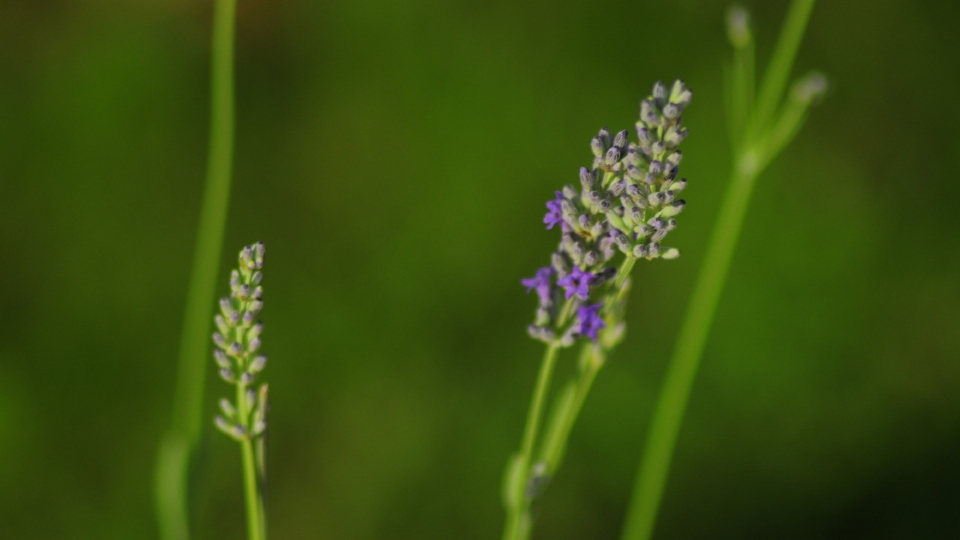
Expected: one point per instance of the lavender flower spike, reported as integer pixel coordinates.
(577, 283)
(590, 321)
(554, 211)
(540, 282)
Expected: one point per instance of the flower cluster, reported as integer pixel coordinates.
(626, 202)
(238, 340)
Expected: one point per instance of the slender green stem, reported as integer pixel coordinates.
(564, 414)
(178, 445)
(683, 367)
(781, 64)
(251, 484)
(521, 503)
(568, 408)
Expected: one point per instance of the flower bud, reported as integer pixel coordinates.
(257, 364)
(670, 253)
(738, 26)
(228, 410)
(659, 93)
(612, 156)
(673, 209)
(617, 187)
(221, 358)
(596, 146)
(587, 178)
(604, 136)
(621, 140)
(559, 262)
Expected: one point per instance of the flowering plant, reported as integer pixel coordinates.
(626, 203)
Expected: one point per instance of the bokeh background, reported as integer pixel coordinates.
(395, 156)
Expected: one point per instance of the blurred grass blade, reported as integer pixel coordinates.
(771, 91)
(172, 473)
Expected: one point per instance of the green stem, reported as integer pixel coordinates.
(172, 470)
(568, 408)
(672, 404)
(519, 509)
(781, 64)
(251, 487)
(564, 415)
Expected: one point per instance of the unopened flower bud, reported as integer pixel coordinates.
(596, 146)
(673, 209)
(639, 251)
(569, 192)
(221, 324)
(228, 376)
(617, 187)
(648, 113)
(738, 26)
(584, 221)
(228, 410)
(257, 364)
(612, 156)
(590, 258)
(604, 136)
(620, 140)
(675, 158)
(560, 264)
(643, 135)
(680, 95)
(653, 250)
(597, 229)
(587, 178)
(659, 93)
(671, 111)
(221, 358)
(670, 253)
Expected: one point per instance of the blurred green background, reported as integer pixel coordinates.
(395, 157)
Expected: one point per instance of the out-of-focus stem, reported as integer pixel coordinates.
(177, 446)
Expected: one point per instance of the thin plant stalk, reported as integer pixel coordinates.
(756, 140)
(564, 413)
(180, 442)
(518, 512)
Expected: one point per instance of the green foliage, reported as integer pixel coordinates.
(827, 403)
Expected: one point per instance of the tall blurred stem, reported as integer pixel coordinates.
(756, 139)
(178, 445)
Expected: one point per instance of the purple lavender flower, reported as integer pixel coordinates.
(540, 282)
(590, 321)
(577, 282)
(554, 211)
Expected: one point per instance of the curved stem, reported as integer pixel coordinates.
(178, 445)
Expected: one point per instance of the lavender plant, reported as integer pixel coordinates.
(626, 203)
(238, 343)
